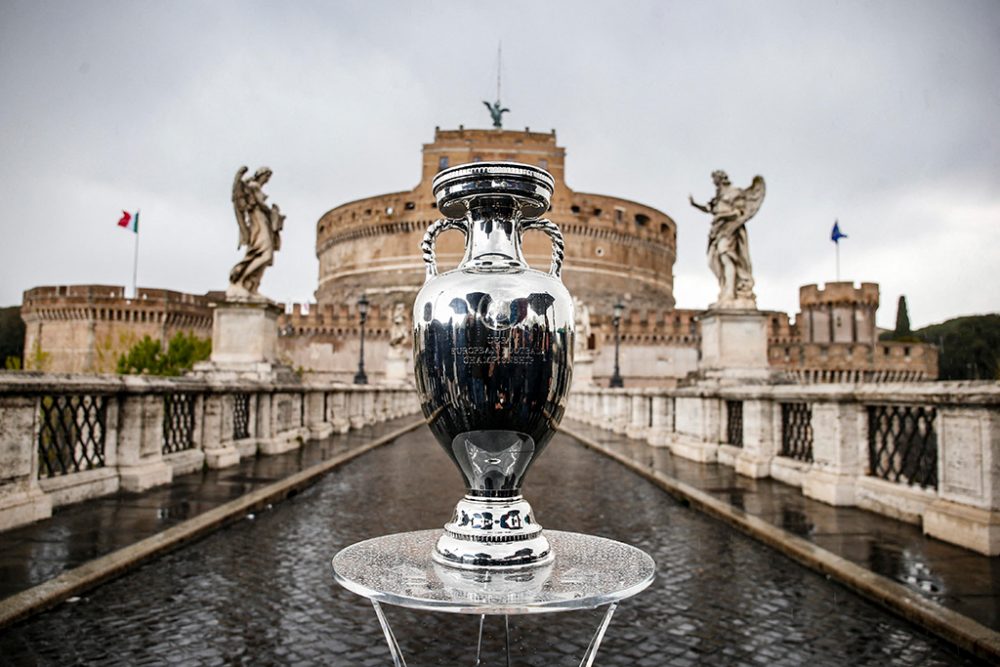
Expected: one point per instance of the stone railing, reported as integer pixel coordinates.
(926, 453)
(65, 438)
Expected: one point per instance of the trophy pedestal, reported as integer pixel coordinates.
(493, 533)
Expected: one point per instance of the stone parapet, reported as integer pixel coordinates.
(927, 453)
(69, 437)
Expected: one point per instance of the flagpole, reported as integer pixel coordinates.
(838, 260)
(135, 259)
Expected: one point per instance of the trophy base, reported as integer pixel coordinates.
(494, 533)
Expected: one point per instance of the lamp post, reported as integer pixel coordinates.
(360, 377)
(616, 320)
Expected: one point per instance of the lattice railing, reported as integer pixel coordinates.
(178, 422)
(902, 444)
(734, 423)
(796, 431)
(241, 416)
(71, 433)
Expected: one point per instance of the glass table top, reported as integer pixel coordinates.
(587, 572)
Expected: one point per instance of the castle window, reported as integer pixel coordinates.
(409, 206)
(597, 212)
(619, 215)
(641, 219)
(664, 228)
(574, 208)
(442, 162)
(599, 251)
(389, 211)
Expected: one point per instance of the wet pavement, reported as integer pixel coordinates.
(260, 591)
(84, 531)
(956, 578)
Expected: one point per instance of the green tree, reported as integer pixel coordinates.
(969, 347)
(147, 357)
(11, 335)
(902, 320)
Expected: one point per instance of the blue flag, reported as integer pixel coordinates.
(836, 234)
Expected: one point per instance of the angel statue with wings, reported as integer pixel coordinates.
(728, 247)
(260, 226)
(496, 113)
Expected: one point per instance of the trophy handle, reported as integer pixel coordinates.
(558, 245)
(430, 238)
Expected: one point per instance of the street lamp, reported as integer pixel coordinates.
(616, 320)
(360, 377)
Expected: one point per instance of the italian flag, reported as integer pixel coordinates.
(130, 221)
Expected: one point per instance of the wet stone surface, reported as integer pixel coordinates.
(260, 592)
(81, 532)
(953, 577)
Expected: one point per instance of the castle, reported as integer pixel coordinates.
(615, 249)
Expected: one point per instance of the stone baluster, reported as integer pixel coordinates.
(316, 417)
(217, 441)
(140, 443)
(838, 438)
(638, 423)
(760, 439)
(967, 511)
(339, 411)
(21, 498)
(659, 432)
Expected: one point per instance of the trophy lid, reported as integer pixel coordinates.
(530, 185)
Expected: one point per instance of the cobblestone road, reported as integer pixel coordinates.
(260, 592)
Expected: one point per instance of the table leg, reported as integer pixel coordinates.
(595, 642)
(390, 639)
(479, 644)
(506, 636)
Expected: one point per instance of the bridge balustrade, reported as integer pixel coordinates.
(66, 438)
(926, 453)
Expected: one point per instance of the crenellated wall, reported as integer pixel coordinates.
(85, 328)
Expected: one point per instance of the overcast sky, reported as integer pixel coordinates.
(884, 115)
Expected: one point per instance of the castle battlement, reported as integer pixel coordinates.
(837, 293)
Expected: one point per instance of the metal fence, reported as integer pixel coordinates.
(178, 422)
(71, 433)
(902, 444)
(796, 431)
(734, 423)
(241, 416)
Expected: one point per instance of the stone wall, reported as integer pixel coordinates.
(85, 328)
(613, 246)
(66, 438)
(924, 453)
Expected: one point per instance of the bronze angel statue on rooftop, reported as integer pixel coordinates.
(728, 245)
(260, 232)
(496, 113)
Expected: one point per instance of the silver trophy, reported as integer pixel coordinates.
(493, 350)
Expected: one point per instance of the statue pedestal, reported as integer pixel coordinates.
(734, 346)
(583, 370)
(398, 369)
(245, 342)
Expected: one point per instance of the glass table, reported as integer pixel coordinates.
(587, 572)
